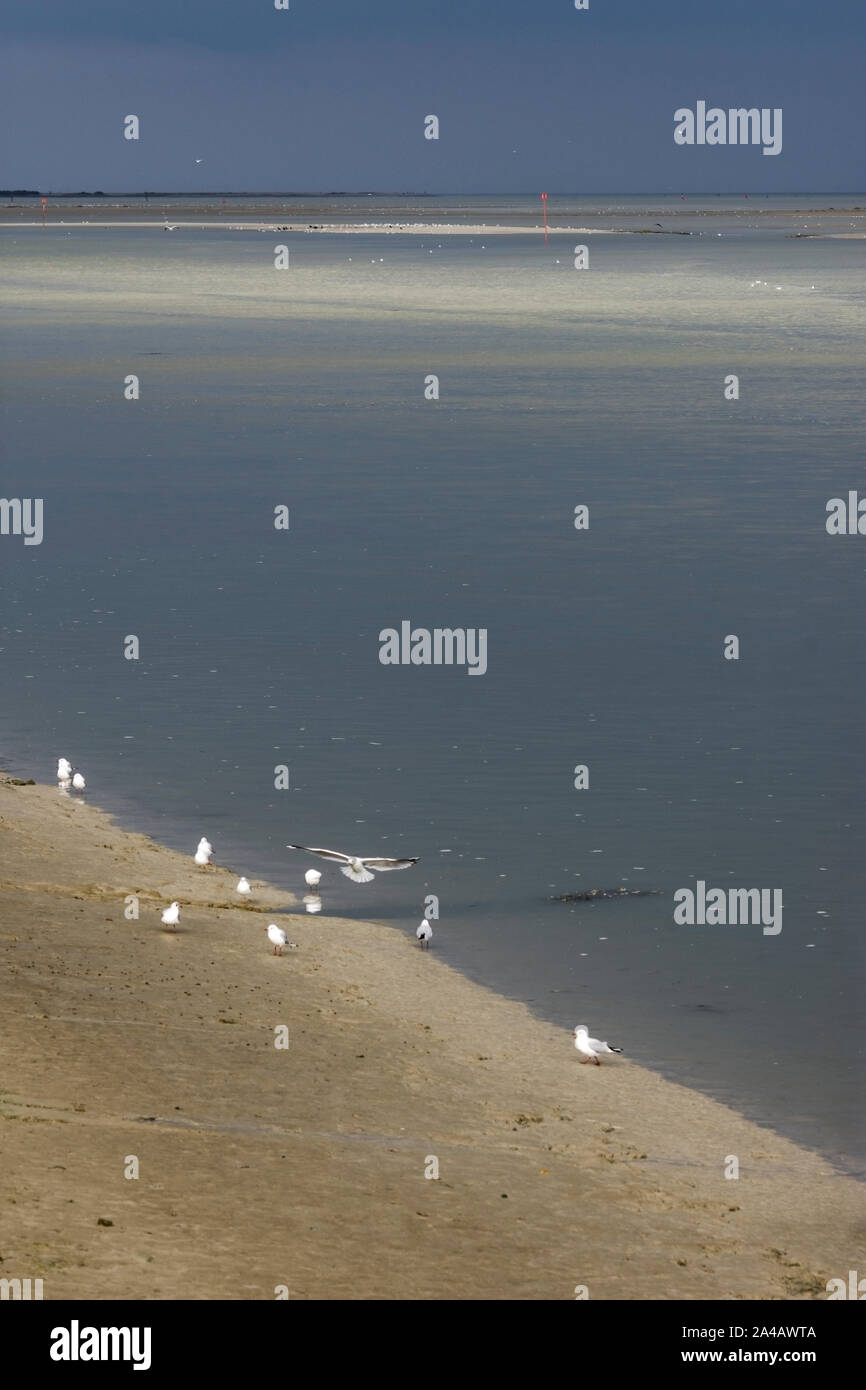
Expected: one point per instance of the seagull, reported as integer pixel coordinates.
(78, 782)
(354, 867)
(171, 916)
(64, 770)
(279, 938)
(590, 1046)
(424, 933)
(244, 887)
(203, 853)
(312, 878)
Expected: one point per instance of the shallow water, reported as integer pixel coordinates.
(605, 647)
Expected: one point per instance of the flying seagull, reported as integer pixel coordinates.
(354, 867)
(590, 1046)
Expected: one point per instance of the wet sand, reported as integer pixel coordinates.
(305, 1167)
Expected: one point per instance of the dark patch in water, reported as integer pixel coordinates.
(595, 893)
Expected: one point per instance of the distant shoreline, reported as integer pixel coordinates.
(391, 193)
(316, 214)
(210, 193)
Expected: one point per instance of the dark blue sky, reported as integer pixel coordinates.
(332, 94)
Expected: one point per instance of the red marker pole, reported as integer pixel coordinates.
(544, 210)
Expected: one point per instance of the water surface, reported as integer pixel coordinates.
(605, 647)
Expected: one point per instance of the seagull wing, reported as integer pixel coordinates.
(603, 1046)
(383, 864)
(331, 854)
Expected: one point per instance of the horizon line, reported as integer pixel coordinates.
(398, 193)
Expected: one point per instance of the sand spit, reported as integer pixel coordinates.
(339, 228)
(266, 219)
(260, 1167)
(431, 229)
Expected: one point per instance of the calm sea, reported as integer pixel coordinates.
(259, 647)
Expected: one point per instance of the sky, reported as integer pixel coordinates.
(333, 94)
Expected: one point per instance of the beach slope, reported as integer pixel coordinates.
(261, 1169)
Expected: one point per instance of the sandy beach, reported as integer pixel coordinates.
(262, 1167)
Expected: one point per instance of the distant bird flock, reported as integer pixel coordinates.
(355, 867)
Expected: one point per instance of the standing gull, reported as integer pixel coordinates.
(244, 888)
(171, 916)
(424, 933)
(312, 878)
(353, 866)
(590, 1046)
(78, 782)
(64, 770)
(278, 937)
